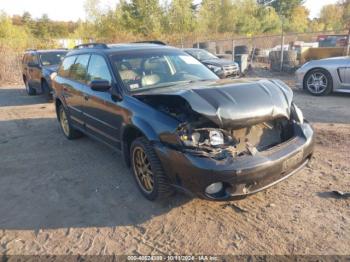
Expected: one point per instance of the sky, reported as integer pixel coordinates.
(72, 10)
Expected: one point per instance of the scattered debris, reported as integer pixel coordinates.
(236, 208)
(341, 194)
(271, 205)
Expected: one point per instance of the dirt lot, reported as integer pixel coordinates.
(77, 197)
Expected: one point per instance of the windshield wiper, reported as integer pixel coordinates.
(200, 80)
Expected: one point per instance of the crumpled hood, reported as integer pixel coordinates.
(234, 103)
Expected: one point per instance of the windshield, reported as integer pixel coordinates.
(52, 58)
(201, 54)
(155, 69)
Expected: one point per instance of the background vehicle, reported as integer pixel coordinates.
(321, 77)
(37, 66)
(177, 124)
(332, 40)
(222, 67)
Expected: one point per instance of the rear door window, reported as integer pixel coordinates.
(78, 71)
(67, 63)
(98, 69)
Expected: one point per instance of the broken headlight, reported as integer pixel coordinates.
(216, 137)
(204, 137)
(298, 114)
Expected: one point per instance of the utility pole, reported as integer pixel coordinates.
(282, 43)
(348, 44)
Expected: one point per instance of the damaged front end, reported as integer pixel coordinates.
(225, 121)
(229, 143)
(219, 143)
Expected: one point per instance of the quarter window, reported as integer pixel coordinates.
(78, 71)
(66, 65)
(98, 69)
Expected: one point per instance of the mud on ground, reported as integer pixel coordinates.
(77, 197)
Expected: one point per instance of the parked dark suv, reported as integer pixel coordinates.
(37, 66)
(177, 124)
(221, 67)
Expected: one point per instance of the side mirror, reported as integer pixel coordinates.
(100, 85)
(33, 64)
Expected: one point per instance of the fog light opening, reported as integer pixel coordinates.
(214, 188)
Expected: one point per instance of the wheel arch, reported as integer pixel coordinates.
(58, 102)
(317, 68)
(139, 128)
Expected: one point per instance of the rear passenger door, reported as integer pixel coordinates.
(74, 72)
(102, 113)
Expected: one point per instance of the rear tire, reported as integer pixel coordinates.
(30, 91)
(148, 171)
(318, 82)
(68, 130)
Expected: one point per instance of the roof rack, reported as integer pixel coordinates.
(91, 45)
(157, 42)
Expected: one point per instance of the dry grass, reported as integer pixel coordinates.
(10, 65)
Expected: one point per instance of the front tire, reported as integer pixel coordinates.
(318, 82)
(66, 127)
(148, 171)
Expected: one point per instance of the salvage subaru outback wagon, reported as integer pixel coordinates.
(179, 126)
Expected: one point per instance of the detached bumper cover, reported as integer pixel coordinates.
(243, 175)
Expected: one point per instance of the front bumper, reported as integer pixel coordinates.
(243, 175)
(231, 72)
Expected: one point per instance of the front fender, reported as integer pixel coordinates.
(145, 128)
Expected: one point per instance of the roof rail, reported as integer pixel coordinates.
(91, 45)
(156, 42)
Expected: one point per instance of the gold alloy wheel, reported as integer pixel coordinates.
(142, 169)
(64, 122)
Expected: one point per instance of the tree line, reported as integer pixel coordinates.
(172, 19)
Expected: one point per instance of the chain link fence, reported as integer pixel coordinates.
(266, 51)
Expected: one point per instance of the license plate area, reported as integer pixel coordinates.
(292, 161)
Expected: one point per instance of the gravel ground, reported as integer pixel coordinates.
(77, 197)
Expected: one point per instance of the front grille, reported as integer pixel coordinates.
(230, 69)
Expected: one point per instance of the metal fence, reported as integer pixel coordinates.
(264, 50)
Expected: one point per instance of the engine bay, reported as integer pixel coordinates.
(201, 137)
